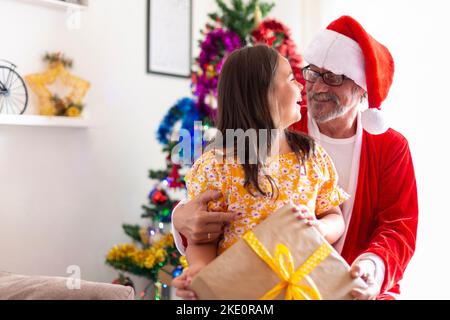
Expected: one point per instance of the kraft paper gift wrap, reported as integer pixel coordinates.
(281, 258)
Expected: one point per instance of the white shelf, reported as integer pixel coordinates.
(43, 121)
(59, 4)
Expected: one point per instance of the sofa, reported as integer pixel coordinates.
(23, 287)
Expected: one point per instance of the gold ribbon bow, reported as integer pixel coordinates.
(283, 265)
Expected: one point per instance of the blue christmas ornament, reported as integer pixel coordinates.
(177, 271)
(187, 111)
(177, 112)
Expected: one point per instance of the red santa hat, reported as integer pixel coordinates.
(344, 47)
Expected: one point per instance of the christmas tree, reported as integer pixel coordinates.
(153, 254)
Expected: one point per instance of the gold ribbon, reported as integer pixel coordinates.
(283, 265)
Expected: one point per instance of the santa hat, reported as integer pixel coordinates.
(344, 47)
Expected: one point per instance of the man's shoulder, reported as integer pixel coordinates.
(391, 139)
(396, 136)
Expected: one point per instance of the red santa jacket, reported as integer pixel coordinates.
(385, 211)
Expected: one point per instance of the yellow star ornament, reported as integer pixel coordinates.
(38, 83)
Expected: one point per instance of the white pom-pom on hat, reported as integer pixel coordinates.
(374, 121)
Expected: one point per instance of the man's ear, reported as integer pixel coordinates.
(363, 96)
(361, 93)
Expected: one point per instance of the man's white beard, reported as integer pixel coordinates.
(336, 112)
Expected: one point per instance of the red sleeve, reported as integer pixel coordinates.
(394, 237)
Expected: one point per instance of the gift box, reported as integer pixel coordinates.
(281, 258)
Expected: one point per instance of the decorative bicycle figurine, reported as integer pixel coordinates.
(13, 91)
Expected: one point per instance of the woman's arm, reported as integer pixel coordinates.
(199, 255)
(331, 224)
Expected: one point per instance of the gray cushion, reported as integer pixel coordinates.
(21, 287)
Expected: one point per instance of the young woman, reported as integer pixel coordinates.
(257, 90)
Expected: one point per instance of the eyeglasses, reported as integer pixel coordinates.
(328, 77)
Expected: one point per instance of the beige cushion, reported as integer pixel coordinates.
(21, 287)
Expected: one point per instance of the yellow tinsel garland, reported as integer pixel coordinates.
(144, 258)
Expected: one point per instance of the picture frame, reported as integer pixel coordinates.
(169, 37)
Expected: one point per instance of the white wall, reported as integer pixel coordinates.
(416, 32)
(66, 192)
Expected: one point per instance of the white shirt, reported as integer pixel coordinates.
(341, 151)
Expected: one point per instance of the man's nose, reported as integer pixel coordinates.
(319, 86)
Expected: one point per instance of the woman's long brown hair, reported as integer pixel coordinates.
(245, 81)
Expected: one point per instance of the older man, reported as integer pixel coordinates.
(347, 66)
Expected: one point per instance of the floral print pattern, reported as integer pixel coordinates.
(315, 185)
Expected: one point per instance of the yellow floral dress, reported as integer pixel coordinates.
(313, 185)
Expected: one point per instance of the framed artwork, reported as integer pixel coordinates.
(169, 37)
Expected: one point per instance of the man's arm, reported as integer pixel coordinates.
(394, 238)
(332, 224)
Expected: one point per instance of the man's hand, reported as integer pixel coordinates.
(365, 269)
(195, 222)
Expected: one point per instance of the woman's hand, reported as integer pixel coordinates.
(304, 213)
(331, 224)
(182, 282)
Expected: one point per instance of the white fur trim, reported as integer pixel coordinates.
(374, 122)
(176, 235)
(339, 54)
(380, 268)
(347, 208)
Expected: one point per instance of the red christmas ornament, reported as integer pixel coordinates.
(174, 178)
(158, 197)
(194, 78)
(268, 32)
